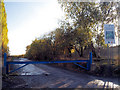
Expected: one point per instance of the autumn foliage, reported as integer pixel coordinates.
(3, 30)
(82, 29)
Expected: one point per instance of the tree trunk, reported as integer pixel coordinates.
(94, 53)
(77, 51)
(69, 50)
(81, 52)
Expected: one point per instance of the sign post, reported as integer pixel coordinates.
(109, 36)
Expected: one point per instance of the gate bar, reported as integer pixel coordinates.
(45, 62)
(18, 68)
(6, 63)
(81, 66)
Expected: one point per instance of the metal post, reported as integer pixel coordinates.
(5, 63)
(90, 57)
(90, 61)
(108, 54)
(112, 56)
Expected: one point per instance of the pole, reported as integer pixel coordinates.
(90, 61)
(90, 58)
(112, 57)
(108, 54)
(5, 63)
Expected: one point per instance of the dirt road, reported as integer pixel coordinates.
(60, 78)
(44, 76)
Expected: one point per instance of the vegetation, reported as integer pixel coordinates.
(3, 30)
(82, 29)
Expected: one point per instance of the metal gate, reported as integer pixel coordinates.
(7, 63)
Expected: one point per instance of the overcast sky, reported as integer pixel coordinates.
(29, 20)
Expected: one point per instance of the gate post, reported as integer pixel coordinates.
(90, 58)
(89, 62)
(5, 63)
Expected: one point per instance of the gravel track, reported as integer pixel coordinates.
(53, 77)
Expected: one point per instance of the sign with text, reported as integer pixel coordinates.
(109, 34)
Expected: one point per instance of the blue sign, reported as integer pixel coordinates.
(109, 34)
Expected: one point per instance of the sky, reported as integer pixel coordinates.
(29, 20)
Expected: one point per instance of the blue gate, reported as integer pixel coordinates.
(7, 63)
